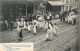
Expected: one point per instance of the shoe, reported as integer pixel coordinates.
(55, 35)
(34, 33)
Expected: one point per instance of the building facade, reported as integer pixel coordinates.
(70, 4)
(24, 8)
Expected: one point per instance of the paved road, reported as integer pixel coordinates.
(65, 31)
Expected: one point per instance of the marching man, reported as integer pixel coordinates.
(20, 34)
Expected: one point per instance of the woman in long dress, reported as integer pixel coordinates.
(34, 28)
(25, 27)
(55, 27)
(48, 34)
(29, 27)
(18, 24)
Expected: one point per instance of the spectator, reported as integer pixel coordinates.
(11, 25)
(20, 34)
(29, 27)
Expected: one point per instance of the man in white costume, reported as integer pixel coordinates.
(34, 29)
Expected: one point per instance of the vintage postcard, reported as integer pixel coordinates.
(39, 25)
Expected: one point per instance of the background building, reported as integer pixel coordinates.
(18, 8)
(70, 4)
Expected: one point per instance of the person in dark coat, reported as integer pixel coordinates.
(30, 18)
(20, 34)
(45, 17)
(8, 23)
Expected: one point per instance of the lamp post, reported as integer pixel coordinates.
(20, 12)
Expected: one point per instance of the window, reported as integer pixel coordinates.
(70, 8)
(70, 1)
(66, 1)
(66, 7)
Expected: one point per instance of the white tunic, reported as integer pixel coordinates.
(25, 27)
(34, 29)
(55, 29)
(48, 17)
(48, 33)
(70, 18)
(18, 29)
(19, 23)
(74, 16)
(46, 25)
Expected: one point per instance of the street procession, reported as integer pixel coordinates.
(38, 21)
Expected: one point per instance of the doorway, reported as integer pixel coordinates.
(29, 10)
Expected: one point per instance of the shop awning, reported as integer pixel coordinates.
(56, 3)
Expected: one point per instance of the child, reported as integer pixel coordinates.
(34, 28)
(48, 34)
(20, 34)
(55, 29)
(11, 25)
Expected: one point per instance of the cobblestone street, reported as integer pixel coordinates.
(66, 33)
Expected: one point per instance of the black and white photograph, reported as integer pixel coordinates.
(51, 25)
